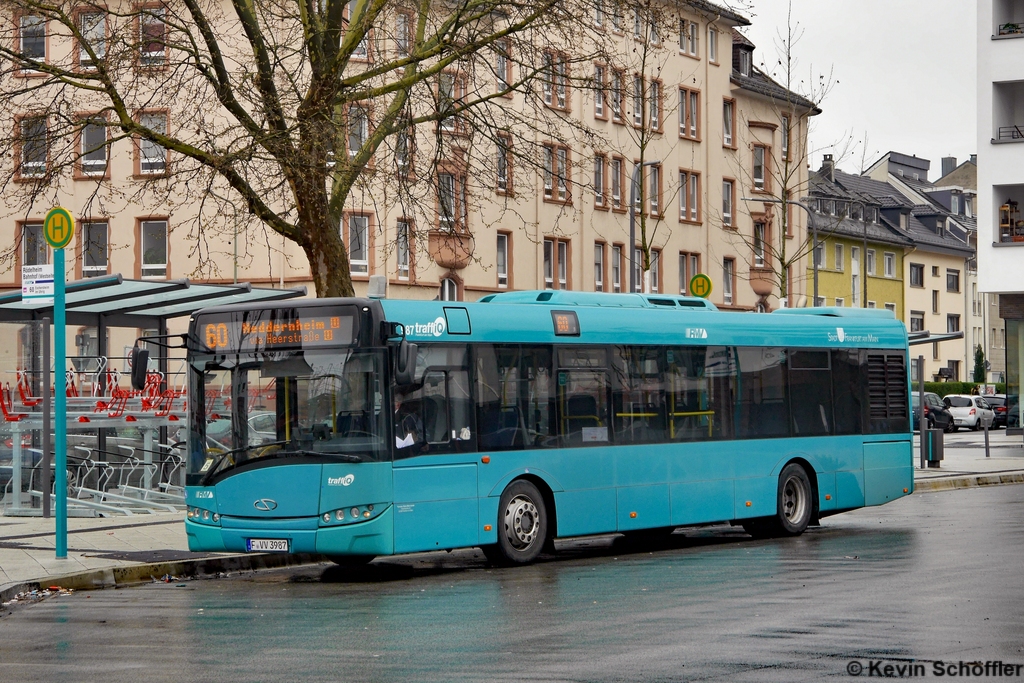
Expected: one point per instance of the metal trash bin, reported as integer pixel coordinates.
(933, 448)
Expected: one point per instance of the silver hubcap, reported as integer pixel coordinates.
(794, 499)
(521, 522)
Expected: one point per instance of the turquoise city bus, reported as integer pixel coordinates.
(354, 428)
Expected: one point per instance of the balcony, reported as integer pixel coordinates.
(450, 249)
(1011, 223)
(1008, 19)
(1008, 112)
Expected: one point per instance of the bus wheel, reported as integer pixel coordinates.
(794, 508)
(522, 525)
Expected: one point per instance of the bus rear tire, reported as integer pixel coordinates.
(794, 507)
(522, 525)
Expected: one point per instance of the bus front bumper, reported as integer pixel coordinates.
(373, 537)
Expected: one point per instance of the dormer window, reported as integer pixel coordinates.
(745, 60)
(954, 204)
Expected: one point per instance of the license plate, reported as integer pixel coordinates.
(266, 545)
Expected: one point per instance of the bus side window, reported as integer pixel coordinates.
(435, 415)
(638, 398)
(762, 410)
(583, 396)
(501, 422)
(810, 390)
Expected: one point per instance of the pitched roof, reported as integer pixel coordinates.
(716, 10)
(760, 83)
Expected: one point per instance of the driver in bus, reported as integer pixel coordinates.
(408, 424)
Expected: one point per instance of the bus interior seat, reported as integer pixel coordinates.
(499, 427)
(580, 412)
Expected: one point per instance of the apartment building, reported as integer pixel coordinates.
(1000, 40)
(719, 131)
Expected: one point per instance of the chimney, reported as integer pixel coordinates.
(974, 159)
(948, 164)
(828, 168)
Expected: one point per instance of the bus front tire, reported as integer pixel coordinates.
(522, 525)
(793, 510)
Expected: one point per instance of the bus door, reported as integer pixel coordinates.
(435, 484)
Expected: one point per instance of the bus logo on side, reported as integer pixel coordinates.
(696, 333)
(341, 481)
(433, 329)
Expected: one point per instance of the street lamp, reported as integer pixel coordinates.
(814, 233)
(632, 221)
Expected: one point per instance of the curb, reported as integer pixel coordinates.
(114, 577)
(968, 482)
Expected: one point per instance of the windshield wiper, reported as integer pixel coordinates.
(344, 457)
(221, 457)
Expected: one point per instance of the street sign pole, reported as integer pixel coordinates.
(58, 229)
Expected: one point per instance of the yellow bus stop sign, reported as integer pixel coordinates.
(700, 285)
(59, 227)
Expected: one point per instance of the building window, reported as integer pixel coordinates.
(616, 268)
(616, 88)
(93, 147)
(451, 90)
(785, 137)
(728, 119)
(954, 204)
(362, 50)
(502, 65)
(654, 190)
(403, 150)
(871, 261)
(502, 261)
(871, 304)
(952, 280)
(94, 249)
(449, 290)
(655, 270)
(599, 248)
(855, 275)
(759, 244)
(712, 44)
(840, 302)
(617, 170)
(760, 170)
(917, 321)
(32, 36)
(556, 173)
(890, 264)
(599, 94)
(503, 164)
(600, 162)
(638, 272)
(839, 257)
(556, 264)
(819, 252)
(728, 190)
(403, 34)
(451, 202)
(638, 101)
(33, 245)
(655, 105)
(744, 65)
(403, 251)
(358, 238)
(599, 13)
(152, 156)
(93, 27)
(689, 196)
(935, 301)
(952, 322)
(728, 276)
(358, 128)
(34, 146)
(688, 36)
(890, 307)
(689, 114)
(154, 248)
(555, 86)
(917, 275)
(689, 265)
(152, 36)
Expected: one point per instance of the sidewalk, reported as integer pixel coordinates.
(104, 552)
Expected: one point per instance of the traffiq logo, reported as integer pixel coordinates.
(434, 329)
(341, 481)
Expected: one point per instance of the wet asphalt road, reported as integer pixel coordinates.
(932, 577)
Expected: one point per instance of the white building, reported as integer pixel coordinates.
(1001, 173)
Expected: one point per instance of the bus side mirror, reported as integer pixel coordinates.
(139, 360)
(405, 364)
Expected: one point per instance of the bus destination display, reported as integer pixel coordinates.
(276, 329)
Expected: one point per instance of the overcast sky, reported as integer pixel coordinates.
(904, 73)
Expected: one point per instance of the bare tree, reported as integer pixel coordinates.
(283, 111)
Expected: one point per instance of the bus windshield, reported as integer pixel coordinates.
(321, 405)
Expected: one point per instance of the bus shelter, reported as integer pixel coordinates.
(99, 397)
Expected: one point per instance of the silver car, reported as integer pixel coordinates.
(969, 411)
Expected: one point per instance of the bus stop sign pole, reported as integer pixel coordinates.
(59, 228)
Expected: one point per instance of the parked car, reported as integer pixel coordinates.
(935, 411)
(998, 403)
(969, 411)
